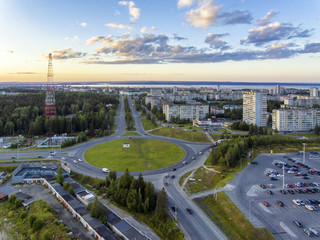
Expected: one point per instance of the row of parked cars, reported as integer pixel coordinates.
(309, 231)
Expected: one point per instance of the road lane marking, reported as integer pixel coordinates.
(285, 227)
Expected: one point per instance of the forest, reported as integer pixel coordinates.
(76, 112)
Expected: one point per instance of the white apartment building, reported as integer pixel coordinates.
(255, 108)
(314, 92)
(301, 101)
(186, 111)
(295, 119)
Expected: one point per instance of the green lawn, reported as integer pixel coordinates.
(230, 219)
(148, 125)
(187, 126)
(131, 134)
(305, 135)
(216, 136)
(143, 154)
(180, 134)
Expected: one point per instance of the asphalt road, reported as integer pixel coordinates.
(195, 226)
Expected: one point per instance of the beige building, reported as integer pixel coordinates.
(295, 119)
(255, 108)
(189, 112)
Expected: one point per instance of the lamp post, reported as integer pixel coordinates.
(304, 153)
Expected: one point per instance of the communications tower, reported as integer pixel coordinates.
(50, 103)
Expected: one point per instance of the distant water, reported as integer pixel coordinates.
(232, 85)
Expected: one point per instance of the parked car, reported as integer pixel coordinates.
(266, 203)
(297, 223)
(106, 170)
(281, 204)
(314, 231)
(308, 232)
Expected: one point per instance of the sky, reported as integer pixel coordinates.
(160, 40)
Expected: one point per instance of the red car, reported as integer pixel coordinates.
(266, 203)
(297, 174)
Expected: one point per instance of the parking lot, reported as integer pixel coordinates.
(258, 199)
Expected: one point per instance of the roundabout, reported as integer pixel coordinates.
(134, 154)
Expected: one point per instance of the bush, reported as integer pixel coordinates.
(37, 224)
(32, 219)
(46, 235)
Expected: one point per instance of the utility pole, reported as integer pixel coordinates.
(304, 153)
(283, 175)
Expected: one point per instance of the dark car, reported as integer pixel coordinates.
(39, 156)
(281, 204)
(269, 192)
(174, 169)
(189, 210)
(297, 223)
(173, 176)
(254, 162)
(13, 157)
(175, 209)
(263, 186)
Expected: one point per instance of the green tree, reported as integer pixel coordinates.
(316, 129)
(95, 212)
(161, 207)
(60, 175)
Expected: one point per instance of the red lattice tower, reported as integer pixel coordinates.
(50, 104)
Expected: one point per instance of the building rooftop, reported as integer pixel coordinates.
(25, 198)
(127, 230)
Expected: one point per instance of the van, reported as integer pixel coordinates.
(192, 179)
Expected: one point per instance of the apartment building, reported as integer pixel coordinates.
(255, 108)
(295, 119)
(187, 111)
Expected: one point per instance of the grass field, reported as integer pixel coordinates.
(230, 219)
(216, 136)
(180, 134)
(143, 154)
(148, 125)
(131, 134)
(187, 126)
(305, 135)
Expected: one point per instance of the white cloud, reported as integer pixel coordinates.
(120, 26)
(133, 11)
(184, 3)
(205, 15)
(83, 24)
(153, 28)
(143, 30)
(116, 13)
(266, 19)
(66, 38)
(10, 51)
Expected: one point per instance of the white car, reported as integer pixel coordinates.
(200, 153)
(75, 161)
(63, 158)
(106, 170)
(311, 208)
(80, 160)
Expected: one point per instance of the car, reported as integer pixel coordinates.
(200, 153)
(166, 184)
(175, 209)
(63, 158)
(290, 191)
(13, 157)
(296, 201)
(80, 160)
(185, 162)
(296, 222)
(281, 204)
(270, 185)
(269, 192)
(262, 186)
(254, 162)
(308, 232)
(167, 175)
(311, 208)
(75, 161)
(106, 170)
(193, 158)
(189, 210)
(173, 176)
(174, 169)
(39, 156)
(266, 203)
(314, 231)
(282, 191)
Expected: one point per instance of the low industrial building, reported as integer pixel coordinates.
(26, 199)
(3, 177)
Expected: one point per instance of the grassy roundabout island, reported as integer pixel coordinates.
(143, 154)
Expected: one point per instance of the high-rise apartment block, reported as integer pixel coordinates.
(314, 92)
(255, 108)
(295, 119)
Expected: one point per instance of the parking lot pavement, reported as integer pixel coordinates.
(249, 197)
(39, 191)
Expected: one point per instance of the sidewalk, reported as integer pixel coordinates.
(131, 219)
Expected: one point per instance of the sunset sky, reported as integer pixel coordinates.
(163, 40)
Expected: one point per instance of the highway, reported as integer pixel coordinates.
(195, 226)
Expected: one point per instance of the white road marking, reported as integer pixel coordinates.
(285, 227)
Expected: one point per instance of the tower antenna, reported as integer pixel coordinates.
(50, 102)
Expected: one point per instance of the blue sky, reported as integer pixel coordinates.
(205, 40)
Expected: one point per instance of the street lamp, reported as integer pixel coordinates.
(304, 153)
